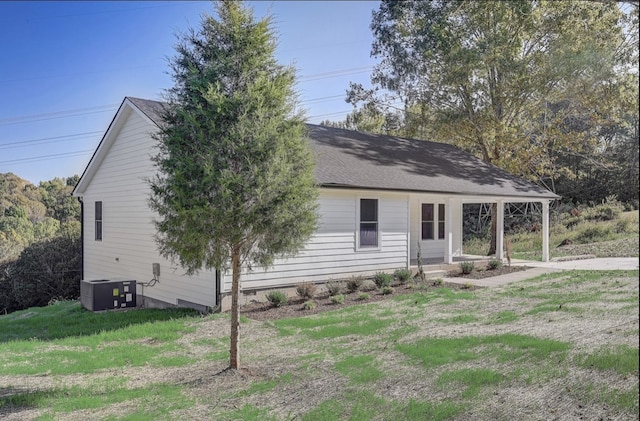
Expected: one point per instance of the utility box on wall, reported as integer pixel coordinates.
(106, 294)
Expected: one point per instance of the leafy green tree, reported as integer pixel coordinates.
(7, 299)
(607, 165)
(56, 195)
(39, 242)
(16, 232)
(45, 271)
(485, 75)
(235, 185)
(31, 213)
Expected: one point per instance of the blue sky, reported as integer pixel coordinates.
(66, 66)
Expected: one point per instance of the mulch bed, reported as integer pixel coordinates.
(294, 306)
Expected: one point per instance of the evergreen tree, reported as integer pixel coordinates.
(235, 185)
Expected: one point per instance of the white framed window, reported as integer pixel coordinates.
(432, 221)
(368, 223)
(98, 220)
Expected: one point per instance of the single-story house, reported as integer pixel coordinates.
(380, 198)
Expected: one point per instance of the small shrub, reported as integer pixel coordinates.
(309, 305)
(605, 212)
(402, 275)
(622, 225)
(466, 267)
(335, 287)
(438, 282)
(494, 264)
(467, 285)
(44, 271)
(354, 283)
(306, 290)
(363, 296)
(382, 279)
(387, 290)
(337, 299)
(594, 234)
(368, 285)
(277, 298)
(573, 221)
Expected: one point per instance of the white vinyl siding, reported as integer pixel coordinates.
(332, 252)
(128, 248)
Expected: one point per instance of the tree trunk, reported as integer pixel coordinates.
(494, 228)
(234, 351)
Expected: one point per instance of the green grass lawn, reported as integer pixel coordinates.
(442, 355)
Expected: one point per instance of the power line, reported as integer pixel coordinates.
(46, 157)
(322, 99)
(12, 145)
(336, 73)
(330, 114)
(56, 114)
(109, 107)
(86, 151)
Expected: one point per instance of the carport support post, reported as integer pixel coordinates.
(448, 232)
(545, 231)
(500, 231)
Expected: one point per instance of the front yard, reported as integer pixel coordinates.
(562, 346)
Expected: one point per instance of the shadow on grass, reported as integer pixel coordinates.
(14, 400)
(68, 319)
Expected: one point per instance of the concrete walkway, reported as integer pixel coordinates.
(541, 268)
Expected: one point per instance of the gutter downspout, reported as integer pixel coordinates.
(218, 308)
(81, 237)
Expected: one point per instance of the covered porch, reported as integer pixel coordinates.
(436, 228)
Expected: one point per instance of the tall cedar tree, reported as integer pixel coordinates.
(235, 185)
(502, 79)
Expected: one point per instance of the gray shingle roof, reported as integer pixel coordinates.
(152, 109)
(350, 159)
(354, 159)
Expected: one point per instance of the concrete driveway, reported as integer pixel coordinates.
(605, 263)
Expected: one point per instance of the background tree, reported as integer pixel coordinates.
(56, 195)
(30, 213)
(235, 185)
(46, 271)
(39, 242)
(500, 79)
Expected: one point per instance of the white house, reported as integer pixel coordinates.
(379, 196)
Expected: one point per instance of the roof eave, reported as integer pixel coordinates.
(525, 197)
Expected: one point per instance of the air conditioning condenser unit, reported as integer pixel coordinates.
(107, 294)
